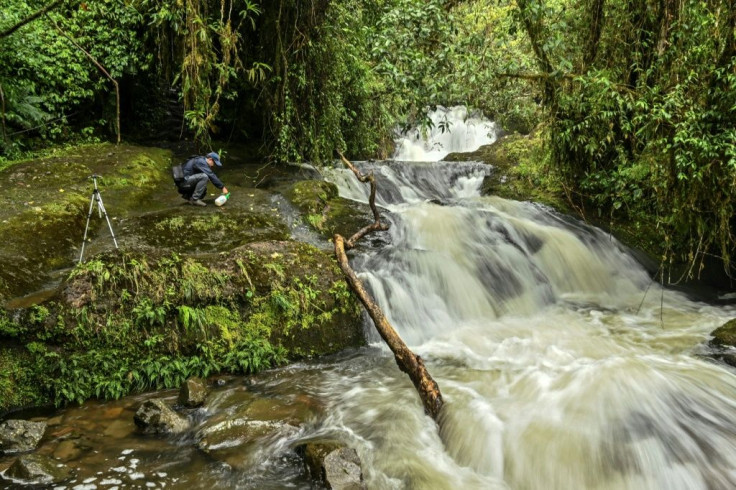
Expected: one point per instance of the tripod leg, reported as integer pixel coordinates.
(86, 228)
(103, 211)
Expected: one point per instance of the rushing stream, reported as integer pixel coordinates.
(562, 365)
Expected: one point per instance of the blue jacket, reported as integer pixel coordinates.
(198, 165)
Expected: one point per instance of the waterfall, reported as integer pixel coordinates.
(452, 129)
(562, 364)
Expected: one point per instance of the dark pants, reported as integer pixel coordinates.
(194, 186)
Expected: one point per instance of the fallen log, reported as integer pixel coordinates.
(408, 362)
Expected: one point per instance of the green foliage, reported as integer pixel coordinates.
(642, 105)
(324, 91)
(117, 371)
(18, 383)
(10, 328)
(211, 36)
(46, 80)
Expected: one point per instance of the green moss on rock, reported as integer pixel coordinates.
(128, 321)
(519, 170)
(18, 379)
(45, 202)
(725, 335)
(325, 211)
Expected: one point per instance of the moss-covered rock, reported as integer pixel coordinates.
(127, 321)
(191, 291)
(189, 230)
(723, 343)
(44, 206)
(519, 170)
(18, 379)
(325, 211)
(725, 335)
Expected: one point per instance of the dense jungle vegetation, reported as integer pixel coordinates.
(635, 101)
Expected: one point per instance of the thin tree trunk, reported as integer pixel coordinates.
(594, 33)
(2, 114)
(102, 69)
(533, 26)
(410, 363)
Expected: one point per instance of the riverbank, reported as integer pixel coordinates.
(189, 291)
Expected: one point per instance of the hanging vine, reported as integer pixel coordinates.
(209, 41)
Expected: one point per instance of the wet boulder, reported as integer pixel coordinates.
(325, 211)
(187, 230)
(333, 465)
(155, 417)
(17, 436)
(193, 392)
(260, 426)
(725, 335)
(241, 443)
(43, 207)
(36, 469)
(724, 342)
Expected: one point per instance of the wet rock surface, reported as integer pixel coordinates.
(333, 465)
(325, 211)
(723, 343)
(156, 417)
(44, 207)
(193, 392)
(18, 436)
(36, 469)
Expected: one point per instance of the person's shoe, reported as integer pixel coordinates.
(197, 202)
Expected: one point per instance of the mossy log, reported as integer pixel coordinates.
(408, 361)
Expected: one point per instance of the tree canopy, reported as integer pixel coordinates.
(635, 100)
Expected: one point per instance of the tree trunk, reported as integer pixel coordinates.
(408, 362)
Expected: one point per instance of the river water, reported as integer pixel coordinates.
(562, 365)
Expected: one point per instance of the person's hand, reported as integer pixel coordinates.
(224, 190)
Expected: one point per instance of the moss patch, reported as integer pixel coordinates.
(725, 335)
(45, 203)
(18, 383)
(187, 229)
(325, 211)
(128, 321)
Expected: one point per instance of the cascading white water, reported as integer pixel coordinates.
(562, 365)
(452, 130)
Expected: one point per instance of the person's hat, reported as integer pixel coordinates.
(215, 157)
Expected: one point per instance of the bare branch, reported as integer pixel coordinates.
(31, 18)
(408, 362)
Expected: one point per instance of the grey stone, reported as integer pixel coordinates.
(193, 392)
(332, 464)
(37, 469)
(342, 470)
(17, 436)
(155, 417)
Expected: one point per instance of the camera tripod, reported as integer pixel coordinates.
(96, 199)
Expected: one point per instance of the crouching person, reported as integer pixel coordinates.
(197, 172)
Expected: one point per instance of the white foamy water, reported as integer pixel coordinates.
(452, 130)
(561, 364)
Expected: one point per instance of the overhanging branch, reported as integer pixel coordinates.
(408, 362)
(31, 18)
